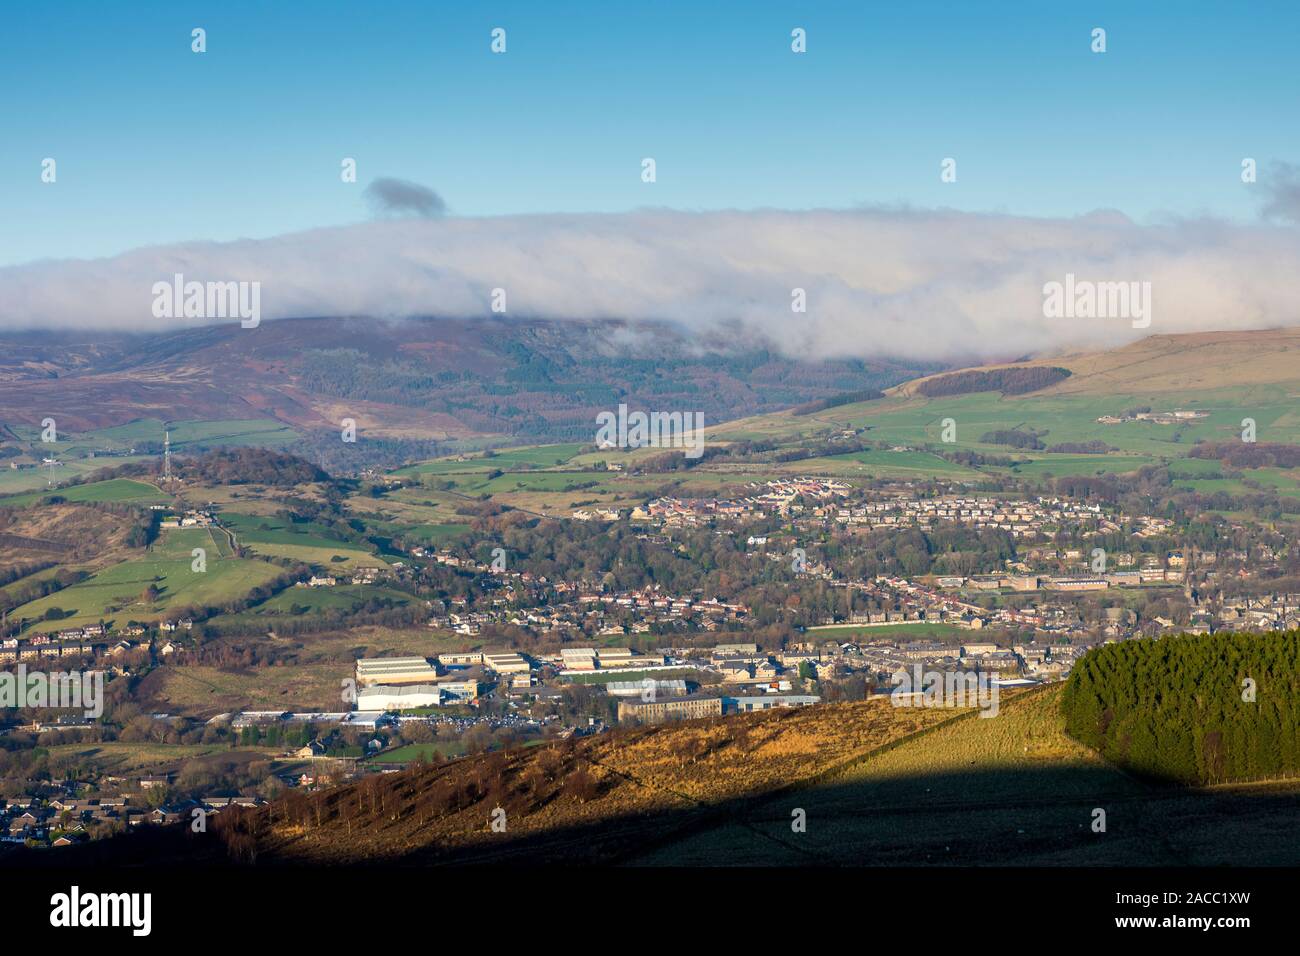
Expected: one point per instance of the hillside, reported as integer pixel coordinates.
(1170, 363)
(1114, 412)
(70, 534)
(415, 379)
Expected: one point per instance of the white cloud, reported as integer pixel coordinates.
(938, 285)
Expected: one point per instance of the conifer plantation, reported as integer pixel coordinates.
(1184, 708)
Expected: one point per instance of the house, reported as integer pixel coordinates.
(765, 670)
(313, 749)
(736, 671)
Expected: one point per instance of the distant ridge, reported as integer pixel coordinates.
(1165, 363)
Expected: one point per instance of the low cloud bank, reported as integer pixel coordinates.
(937, 285)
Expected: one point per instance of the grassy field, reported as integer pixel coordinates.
(268, 529)
(179, 543)
(323, 555)
(879, 464)
(1068, 413)
(541, 492)
(142, 757)
(1043, 466)
(122, 438)
(116, 490)
(344, 596)
(116, 594)
(1283, 481)
(412, 752)
(210, 690)
(912, 422)
(300, 602)
(529, 456)
(306, 542)
(374, 640)
(37, 479)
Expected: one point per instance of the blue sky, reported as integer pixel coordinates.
(156, 144)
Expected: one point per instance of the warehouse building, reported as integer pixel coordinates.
(506, 662)
(609, 657)
(395, 670)
(578, 658)
(461, 659)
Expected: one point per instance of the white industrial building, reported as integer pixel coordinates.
(406, 697)
(636, 688)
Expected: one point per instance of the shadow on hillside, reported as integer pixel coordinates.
(1014, 817)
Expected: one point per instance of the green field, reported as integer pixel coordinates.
(324, 556)
(1057, 418)
(73, 450)
(271, 529)
(917, 425)
(122, 438)
(1063, 418)
(1285, 482)
(296, 602)
(409, 753)
(116, 489)
(309, 543)
(531, 456)
(880, 464)
(117, 593)
(179, 543)
(37, 479)
(7, 592)
(1044, 466)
